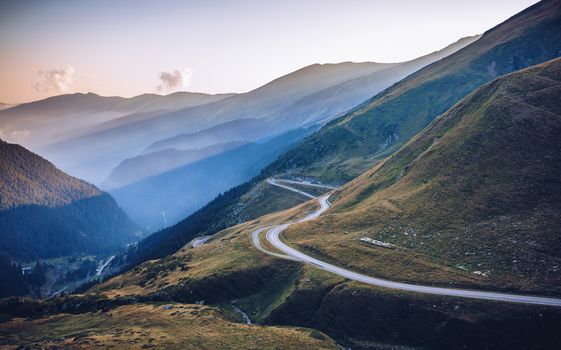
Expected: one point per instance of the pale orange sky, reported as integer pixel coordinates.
(123, 47)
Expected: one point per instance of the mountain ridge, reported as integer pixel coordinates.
(379, 126)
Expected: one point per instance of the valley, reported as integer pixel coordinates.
(412, 203)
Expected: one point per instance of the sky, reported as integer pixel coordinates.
(130, 47)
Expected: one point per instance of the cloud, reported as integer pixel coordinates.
(59, 80)
(19, 135)
(176, 80)
(15, 136)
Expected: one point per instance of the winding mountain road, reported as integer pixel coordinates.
(273, 237)
(103, 265)
(197, 242)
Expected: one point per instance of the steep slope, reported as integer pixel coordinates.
(340, 98)
(349, 145)
(47, 213)
(477, 191)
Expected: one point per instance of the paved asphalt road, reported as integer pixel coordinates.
(197, 242)
(273, 234)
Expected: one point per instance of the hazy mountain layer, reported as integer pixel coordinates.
(318, 106)
(55, 119)
(166, 198)
(92, 153)
(281, 104)
(146, 165)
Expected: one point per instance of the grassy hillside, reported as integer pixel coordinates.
(229, 270)
(28, 179)
(143, 326)
(46, 213)
(351, 144)
(477, 192)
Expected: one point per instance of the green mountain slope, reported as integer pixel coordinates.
(349, 145)
(478, 191)
(46, 213)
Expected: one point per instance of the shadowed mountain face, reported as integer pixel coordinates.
(479, 188)
(46, 213)
(166, 198)
(349, 145)
(167, 159)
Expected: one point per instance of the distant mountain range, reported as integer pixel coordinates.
(46, 213)
(93, 154)
(38, 124)
(314, 108)
(161, 161)
(88, 135)
(295, 104)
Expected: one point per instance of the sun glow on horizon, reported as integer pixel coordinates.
(128, 48)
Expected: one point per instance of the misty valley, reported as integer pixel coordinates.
(354, 205)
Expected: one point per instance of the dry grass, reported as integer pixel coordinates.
(474, 200)
(143, 326)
